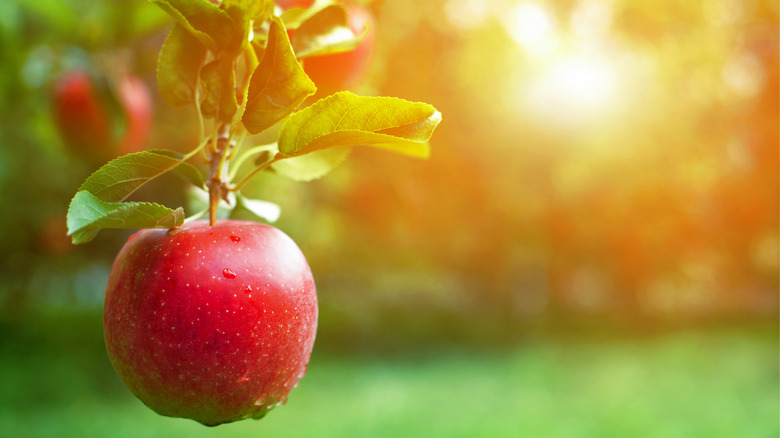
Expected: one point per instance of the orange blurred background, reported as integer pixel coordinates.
(601, 164)
(598, 163)
(591, 249)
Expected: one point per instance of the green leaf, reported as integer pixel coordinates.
(295, 16)
(258, 10)
(253, 53)
(262, 209)
(178, 65)
(345, 119)
(311, 166)
(278, 85)
(238, 34)
(245, 67)
(184, 170)
(87, 215)
(201, 18)
(122, 176)
(190, 174)
(219, 90)
(324, 32)
(223, 31)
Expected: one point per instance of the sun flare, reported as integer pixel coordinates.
(580, 79)
(569, 76)
(531, 26)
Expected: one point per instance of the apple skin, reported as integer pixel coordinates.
(287, 4)
(345, 70)
(84, 120)
(213, 323)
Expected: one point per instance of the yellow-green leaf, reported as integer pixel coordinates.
(199, 17)
(219, 90)
(178, 64)
(345, 119)
(311, 166)
(262, 209)
(295, 16)
(253, 9)
(278, 85)
(222, 33)
(324, 32)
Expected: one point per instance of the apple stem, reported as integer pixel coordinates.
(218, 172)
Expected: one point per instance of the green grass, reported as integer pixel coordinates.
(705, 384)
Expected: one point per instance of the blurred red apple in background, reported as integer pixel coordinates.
(100, 119)
(137, 103)
(53, 235)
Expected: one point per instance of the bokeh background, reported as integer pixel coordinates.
(590, 251)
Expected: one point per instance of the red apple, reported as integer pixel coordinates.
(84, 117)
(137, 104)
(53, 236)
(345, 70)
(213, 323)
(287, 4)
(79, 114)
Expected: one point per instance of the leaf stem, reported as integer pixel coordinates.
(257, 170)
(196, 215)
(245, 155)
(242, 133)
(196, 150)
(201, 122)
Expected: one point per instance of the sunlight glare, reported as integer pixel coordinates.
(574, 87)
(531, 27)
(589, 81)
(466, 14)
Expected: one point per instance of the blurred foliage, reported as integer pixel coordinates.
(601, 164)
(57, 382)
(608, 163)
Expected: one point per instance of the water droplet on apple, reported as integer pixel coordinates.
(248, 289)
(235, 238)
(228, 273)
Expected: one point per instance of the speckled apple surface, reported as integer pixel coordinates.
(215, 323)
